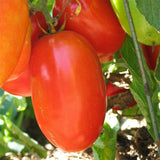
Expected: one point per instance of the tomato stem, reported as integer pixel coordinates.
(144, 77)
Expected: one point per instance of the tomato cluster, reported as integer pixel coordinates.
(63, 75)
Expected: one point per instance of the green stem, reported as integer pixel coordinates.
(42, 6)
(24, 138)
(144, 77)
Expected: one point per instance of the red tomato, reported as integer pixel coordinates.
(68, 90)
(24, 57)
(20, 86)
(96, 21)
(112, 90)
(151, 56)
(38, 20)
(14, 22)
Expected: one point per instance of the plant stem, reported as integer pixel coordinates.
(144, 77)
(24, 138)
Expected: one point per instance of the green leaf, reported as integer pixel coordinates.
(137, 86)
(50, 5)
(105, 146)
(20, 103)
(151, 10)
(157, 70)
(7, 106)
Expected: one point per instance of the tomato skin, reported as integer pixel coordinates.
(151, 56)
(20, 86)
(14, 21)
(68, 90)
(96, 21)
(36, 30)
(24, 58)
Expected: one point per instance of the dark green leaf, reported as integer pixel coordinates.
(105, 146)
(137, 87)
(151, 10)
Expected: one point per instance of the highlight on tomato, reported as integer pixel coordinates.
(95, 20)
(68, 90)
(14, 22)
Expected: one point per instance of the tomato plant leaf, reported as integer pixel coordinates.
(151, 10)
(137, 87)
(105, 146)
(7, 106)
(20, 103)
(157, 70)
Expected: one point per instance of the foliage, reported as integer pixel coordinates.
(12, 138)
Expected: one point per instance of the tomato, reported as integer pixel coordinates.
(96, 21)
(38, 20)
(146, 33)
(106, 59)
(20, 86)
(68, 90)
(24, 57)
(14, 28)
(112, 90)
(151, 56)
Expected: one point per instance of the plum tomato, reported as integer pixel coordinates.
(96, 21)
(68, 90)
(20, 86)
(14, 23)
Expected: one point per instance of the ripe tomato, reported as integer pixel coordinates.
(96, 21)
(68, 90)
(36, 18)
(21, 86)
(14, 23)
(151, 56)
(24, 57)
